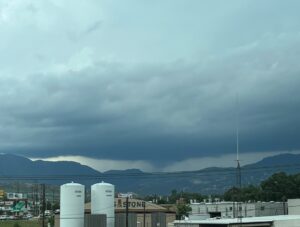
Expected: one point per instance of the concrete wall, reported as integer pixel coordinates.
(152, 219)
(270, 209)
(286, 223)
(120, 220)
(158, 220)
(140, 220)
(294, 206)
(170, 217)
(96, 220)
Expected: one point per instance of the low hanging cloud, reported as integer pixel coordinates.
(228, 160)
(103, 165)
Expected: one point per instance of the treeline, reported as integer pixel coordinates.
(278, 187)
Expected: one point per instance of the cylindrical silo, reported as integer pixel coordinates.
(72, 205)
(103, 201)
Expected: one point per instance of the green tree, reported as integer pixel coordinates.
(251, 193)
(182, 210)
(277, 187)
(280, 186)
(232, 194)
(175, 195)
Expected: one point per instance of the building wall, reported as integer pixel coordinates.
(227, 209)
(294, 206)
(90, 220)
(286, 223)
(140, 220)
(120, 220)
(158, 219)
(230, 209)
(152, 219)
(270, 209)
(170, 217)
(95, 220)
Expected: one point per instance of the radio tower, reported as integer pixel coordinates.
(238, 168)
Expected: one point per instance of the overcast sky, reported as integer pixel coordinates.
(149, 84)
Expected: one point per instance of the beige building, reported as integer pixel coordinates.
(141, 213)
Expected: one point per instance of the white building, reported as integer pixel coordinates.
(234, 209)
(267, 221)
(15, 196)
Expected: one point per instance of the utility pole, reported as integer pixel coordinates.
(144, 214)
(238, 168)
(52, 199)
(44, 205)
(127, 207)
(37, 199)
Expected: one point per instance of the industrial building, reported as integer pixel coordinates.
(267, 221)
(234, 209)
(106, 210)
(141, 213)
(147, 214)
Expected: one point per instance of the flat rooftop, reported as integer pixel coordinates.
(244, 220)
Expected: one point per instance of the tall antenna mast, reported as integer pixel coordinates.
(238, 168)
(237, 128)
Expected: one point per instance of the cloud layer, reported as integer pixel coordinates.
(142, 81)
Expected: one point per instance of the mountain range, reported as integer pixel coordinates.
(212, 180)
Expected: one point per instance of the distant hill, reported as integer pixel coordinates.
(207, 181)
(286, 160)
(259, 171)
(17, 168)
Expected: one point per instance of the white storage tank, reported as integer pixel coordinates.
(72, 205)
(103, 201)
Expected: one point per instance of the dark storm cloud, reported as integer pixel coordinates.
(174, 110)
(152, 82)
